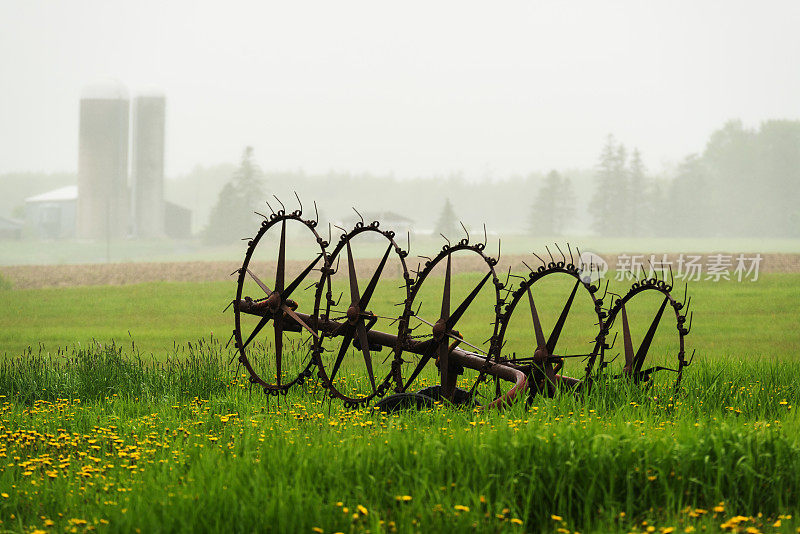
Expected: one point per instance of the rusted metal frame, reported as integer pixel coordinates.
(634, 361)
(456, 355)
(543, 356)
(279, 217)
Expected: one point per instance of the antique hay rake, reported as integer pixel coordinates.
(325, 326)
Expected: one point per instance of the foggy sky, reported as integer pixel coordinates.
(414, 88)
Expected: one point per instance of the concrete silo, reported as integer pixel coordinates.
(148, 164)
(103, 198)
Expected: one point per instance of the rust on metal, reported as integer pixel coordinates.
(331, 330)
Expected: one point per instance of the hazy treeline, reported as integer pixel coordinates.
(745, 182)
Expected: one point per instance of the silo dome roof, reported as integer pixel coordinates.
(150, 92)
(105, 90)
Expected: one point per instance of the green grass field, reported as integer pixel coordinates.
(120, 412)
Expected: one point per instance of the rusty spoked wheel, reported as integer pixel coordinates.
(273, 361)
(646, 302)
(560, 297)
(431, 322)
(351, 367)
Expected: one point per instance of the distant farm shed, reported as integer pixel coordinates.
(10, 228)
(389, 220)
(51, 215)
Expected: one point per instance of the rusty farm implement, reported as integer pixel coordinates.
(371, 339)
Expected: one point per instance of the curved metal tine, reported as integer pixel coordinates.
(499, 244)
(261, 284)
(367, 295)
(537, 325)
(556, 333)
(526, 265)
(316, 213)
(351, 268)
(278, 348)
(648, 338)
(359, 215)
(539, 257)
(298, 201)
(465, 229)
(671, 278)
(453, 319)
(408, 241)
(628, 342)
(280, 269)
(445, 315)
(347, 333)
(571, 259)
(297, 281)
(485, 236)
(562, 254)
(281, 203)
(269, 206)
(547, 248)
(445, 238)
(605, 292)
(364, 342)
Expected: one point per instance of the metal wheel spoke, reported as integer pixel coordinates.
(278, 347)
(556, 333)
(424, 360)
(445, 315)
(297, 318)
(264, 320)
(258, 281)
(362, 339)
(347, 333)
(365, 298)
(351, 267)
(297, 281)
(453, 319)
(444, 367)
(280, 270)
(628, 342)
(537, 325)
(638, 360)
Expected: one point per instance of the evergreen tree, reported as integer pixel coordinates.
(553, 207)
(609, 205)
(447, 223)
(232, 216)
(638, 195)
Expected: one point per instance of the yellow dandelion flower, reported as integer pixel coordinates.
(461, 508)
(516, 521)
(362, 510)
(317, 530)
(4, 495)
(556, 518)
(402, 498)
(777, 523)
